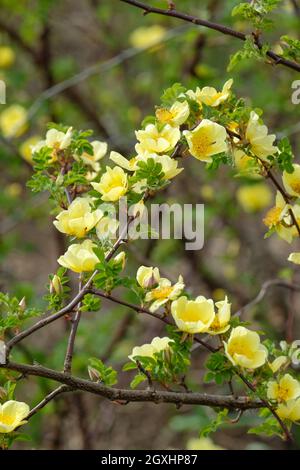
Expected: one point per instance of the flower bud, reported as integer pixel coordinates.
(94, 374)
(120, 259)
(22, 304)
(56, 285)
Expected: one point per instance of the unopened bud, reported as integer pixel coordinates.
(22, 304)
(56, 285)
(94, 374)
(121, 258)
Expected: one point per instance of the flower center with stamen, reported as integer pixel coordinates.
(272, 217)
(6, 419)
(162, 292)
(295, 186)
(201, 143)
(282, 393)
(164, 115)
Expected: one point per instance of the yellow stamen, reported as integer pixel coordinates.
(272, 217)
(162, 292)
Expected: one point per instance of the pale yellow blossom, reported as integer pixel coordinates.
(244, 348)
(12, 415)
(210, 96)
(176, 115)
(261, 143)
(148, 350)
(291, 181)
(221, 321)
(193, 316)
(289, 410)
(147, 36)
(80, 257)
(284, 389)
(164, 292)
(254, 197)
(113, 184)
(155, 140)
(206, 140)
(13, 121)
(78, 219)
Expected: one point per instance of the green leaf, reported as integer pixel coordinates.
(139, 378)
(90, 303)
(107, 374)
(129, 366)
(170, 95)
(215, 424)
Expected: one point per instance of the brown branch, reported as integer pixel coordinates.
(140, 309)
(155, 396)
(70, 306)
(48, 398)
(277, 59)
(71, 342)
(251, 387)
(264, 289)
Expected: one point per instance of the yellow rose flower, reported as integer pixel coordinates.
(78, 219)
(206, 140)
(147, 277)
(153, 140)
(12, 415)
(113, 184)
(210, 96)
(164, 292)
(291, 181)
(261, 143)
(285, 389)
(148, 350)
(55, 140)
(13, 121)
(278, 217)
(202, 443)
(169, 165)
(120, 259)
(289, 410)
(278, 363)
(193, 316)
(294, 258)
(26, 147)
(100, 149)
(254, 198)
(147, 36)
(244, 348)
(80, 257)
(176, 115)
(7, 57)
(221, 321)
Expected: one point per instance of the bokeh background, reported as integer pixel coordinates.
(101, 64)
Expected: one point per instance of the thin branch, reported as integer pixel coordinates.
(58, 391)
(277, 59)
(155, 396)
(71, 342)
(139, 309)
(263, 291)
(70, 306)
(251, 387)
